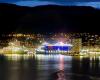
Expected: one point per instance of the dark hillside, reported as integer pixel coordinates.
(49, 18)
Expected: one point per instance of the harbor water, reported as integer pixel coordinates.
(42, 67)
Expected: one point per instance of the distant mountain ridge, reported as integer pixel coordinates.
(95, 4)
(38, 3)
(48, 18)
(8, 6)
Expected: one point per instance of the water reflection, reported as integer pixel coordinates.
(86, 67)
(61, 62)
(17, 57)
(56, 62)
(41, 67)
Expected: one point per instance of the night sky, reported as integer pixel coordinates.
(52, 0)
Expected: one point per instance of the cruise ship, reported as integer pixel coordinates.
(59, 47)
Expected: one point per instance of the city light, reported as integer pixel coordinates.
(62, 44)
(67, 43)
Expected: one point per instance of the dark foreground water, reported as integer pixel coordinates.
(41, 67)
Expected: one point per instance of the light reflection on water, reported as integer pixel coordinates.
(17, 57)
(40, 67)
(53, 61)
